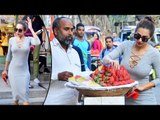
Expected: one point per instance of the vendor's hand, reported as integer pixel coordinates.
(115, 64)
(65, 75)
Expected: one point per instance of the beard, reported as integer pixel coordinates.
(65, 41)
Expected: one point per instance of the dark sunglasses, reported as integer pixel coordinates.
(19, 30)
(138, 36)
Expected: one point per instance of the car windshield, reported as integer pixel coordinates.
(126, 36)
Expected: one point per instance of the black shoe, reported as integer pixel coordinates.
(46, 70)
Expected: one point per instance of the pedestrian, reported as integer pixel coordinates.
(65, 64)
(83, 44)
(17, 62)
(139, 57)
(38, 25)
(115, 37)
(97, 45)
(4, 38)
(109, 48)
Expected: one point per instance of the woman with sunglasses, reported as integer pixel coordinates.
(17, 62)
(139, 58)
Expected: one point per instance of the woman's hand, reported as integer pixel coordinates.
(29, 22)
(4, 75)
(115, 64)
(140, 87)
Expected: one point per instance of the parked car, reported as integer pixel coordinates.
(127, 32)
(90, 30)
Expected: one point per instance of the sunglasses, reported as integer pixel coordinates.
(19, 30)
(138, 36)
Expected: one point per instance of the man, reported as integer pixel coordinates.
(39, 27)
(116, 39)
(109, 48)
(38, 24)
(65, 64)
(83, 44)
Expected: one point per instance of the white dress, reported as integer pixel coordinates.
(18, 71)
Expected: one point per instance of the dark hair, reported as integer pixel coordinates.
(23, 23)
(97, 35)
(109, 37)
(146, 23)
(30, 16)
(56, 22)
(79, 25)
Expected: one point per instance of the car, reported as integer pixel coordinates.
(127, 32)
(90, 30)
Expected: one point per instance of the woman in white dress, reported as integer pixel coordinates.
(17, 61)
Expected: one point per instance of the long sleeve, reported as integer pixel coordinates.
(35, 41)
(100, 56)
(9, 53)
(117, 52)
(97, 45)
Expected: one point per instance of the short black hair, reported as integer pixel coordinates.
(79, 25)
(109, 37)
(56, 22)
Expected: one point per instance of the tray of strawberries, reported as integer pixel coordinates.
(104, 81)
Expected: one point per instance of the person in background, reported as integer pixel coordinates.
(97, 45)
(17, 62)
(115, 37)
(109, 48)
(139, 58)
(39, 27)
(4, 38)
(102, 39)
(83, 44)
(65, 64)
